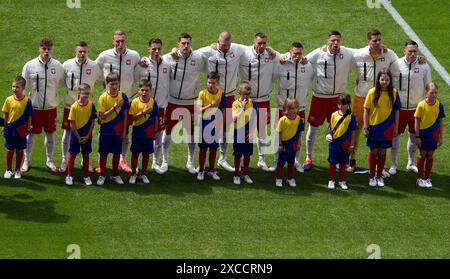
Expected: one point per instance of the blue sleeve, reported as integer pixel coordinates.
(126, 103)
(441, 111)
(155, 111)
(93, 112)
(397, 104)
(255, 106)
(223, 102)
(29, 109)
(353, 123)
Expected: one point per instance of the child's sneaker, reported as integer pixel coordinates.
(331, 184)
(101, 180)
(291, 182)
(132, 179)
(372, 182)
(236, 180)
(307, 165)
(380, 182)
(214, 175)
(69, 180)
(279, 183)
(201, 175)
(8, 174)
(87, 181)
(145, 179)
(343, 185)
(247, 179)
(117, 179)
(428, 183)
(421, 183)
(17, 174)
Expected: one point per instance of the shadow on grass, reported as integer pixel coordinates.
(23, 207)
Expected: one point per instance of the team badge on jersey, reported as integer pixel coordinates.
(192, 62)
(128, 62)
(88, 72)
(266, 60)
(341, 56)
(382, 59)
(53, 71)
(416, 70)
(302, 69)
(164, 70)
(232, 55)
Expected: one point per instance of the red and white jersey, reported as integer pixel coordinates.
(226, 64)
(184, 77)
(258, 70)
(124, 64)
(331, 71)
(367, 68)
(410, 81)
(159, 76)
(77, 73)
(293, 81)
(43, 81)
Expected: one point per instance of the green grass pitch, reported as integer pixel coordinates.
(177, 217)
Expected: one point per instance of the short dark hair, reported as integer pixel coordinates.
(261, 35)
(155, 41)
(344, 99)
(296, 45)
(20, 80)
(112, 76)
(184, 36)
(334, 33)
(145, 82)
(46, 42)
(81, 44)
(373, 32)
(411, 43)
(213, 75)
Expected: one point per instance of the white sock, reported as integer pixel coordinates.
(166, 140)
(310, 140)
(49, 145)
(191, 152)
(157, 147)
(259, 144)
(125, 147)
(30, 144)
(411, 147)
(223, 146)
(394, 151)
(65, 144)
(299, 151)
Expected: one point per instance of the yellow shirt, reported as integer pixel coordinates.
(81, 113)
(428, 114)
(14, 108)
(138, 106)
(249, 110)
(288, 127)
(205, 98)
(379, 113)
(106, 102)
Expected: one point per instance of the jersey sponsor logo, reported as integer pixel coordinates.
(88, 72)
(192, 62)
(302, 69)
(341, 56)
(164, 70)
(416, 70)
(128, 62)
(53, 71)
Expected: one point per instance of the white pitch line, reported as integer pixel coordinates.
(408, 30)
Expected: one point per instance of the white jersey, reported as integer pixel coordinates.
(331, 71)
(258, 70)
(184, 78)
(159, 76)
(226, 64)
(43, 81)
(293, 81)
(75, 74)
(367, 68)
(410, 81)
(124, 64)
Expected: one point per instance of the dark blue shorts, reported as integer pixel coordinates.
(240, 149)
(379, 143)
(428, 145)
(110, 144)
(75, 146)
(15, 143)
(141, 145)
(284, 157)
(338, 156)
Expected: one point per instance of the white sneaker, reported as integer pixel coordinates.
(17, 174)
(299, 167)
(157, 169)
(262, 165)
(331, 184)
(132, 179)
(164, 167)
(8, 174)
(190, 167)
(380, 182)
(25, 166)
(292, 183)
(237, 180)
(247, 179)
(51, 166)
(343, 185)
(117, 179)
(87, 181)
(422, 183)
(63, 166)
(214, 175)
(201, 175)
(412, 167)
(69, 180)
(428, 183)
(101, 180)
(224, 164)
(392, 170)
(372, 182)
(273, 167)
(279, 183)
(145, 179)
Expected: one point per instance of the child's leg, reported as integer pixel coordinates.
(202, 159)
(372, 162)
(246, 164)
(212, 159)
(279, 171)
(115, 164)
(341, 171)
(331, 171)
(381, 160)
(145, 158)
(290, 170)
(70, 164)
(429, 163)
(134, 162)
(9, 159)
(103, 159)
(19, 157)
(421, 163)
(237, 166)
(85, 165)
